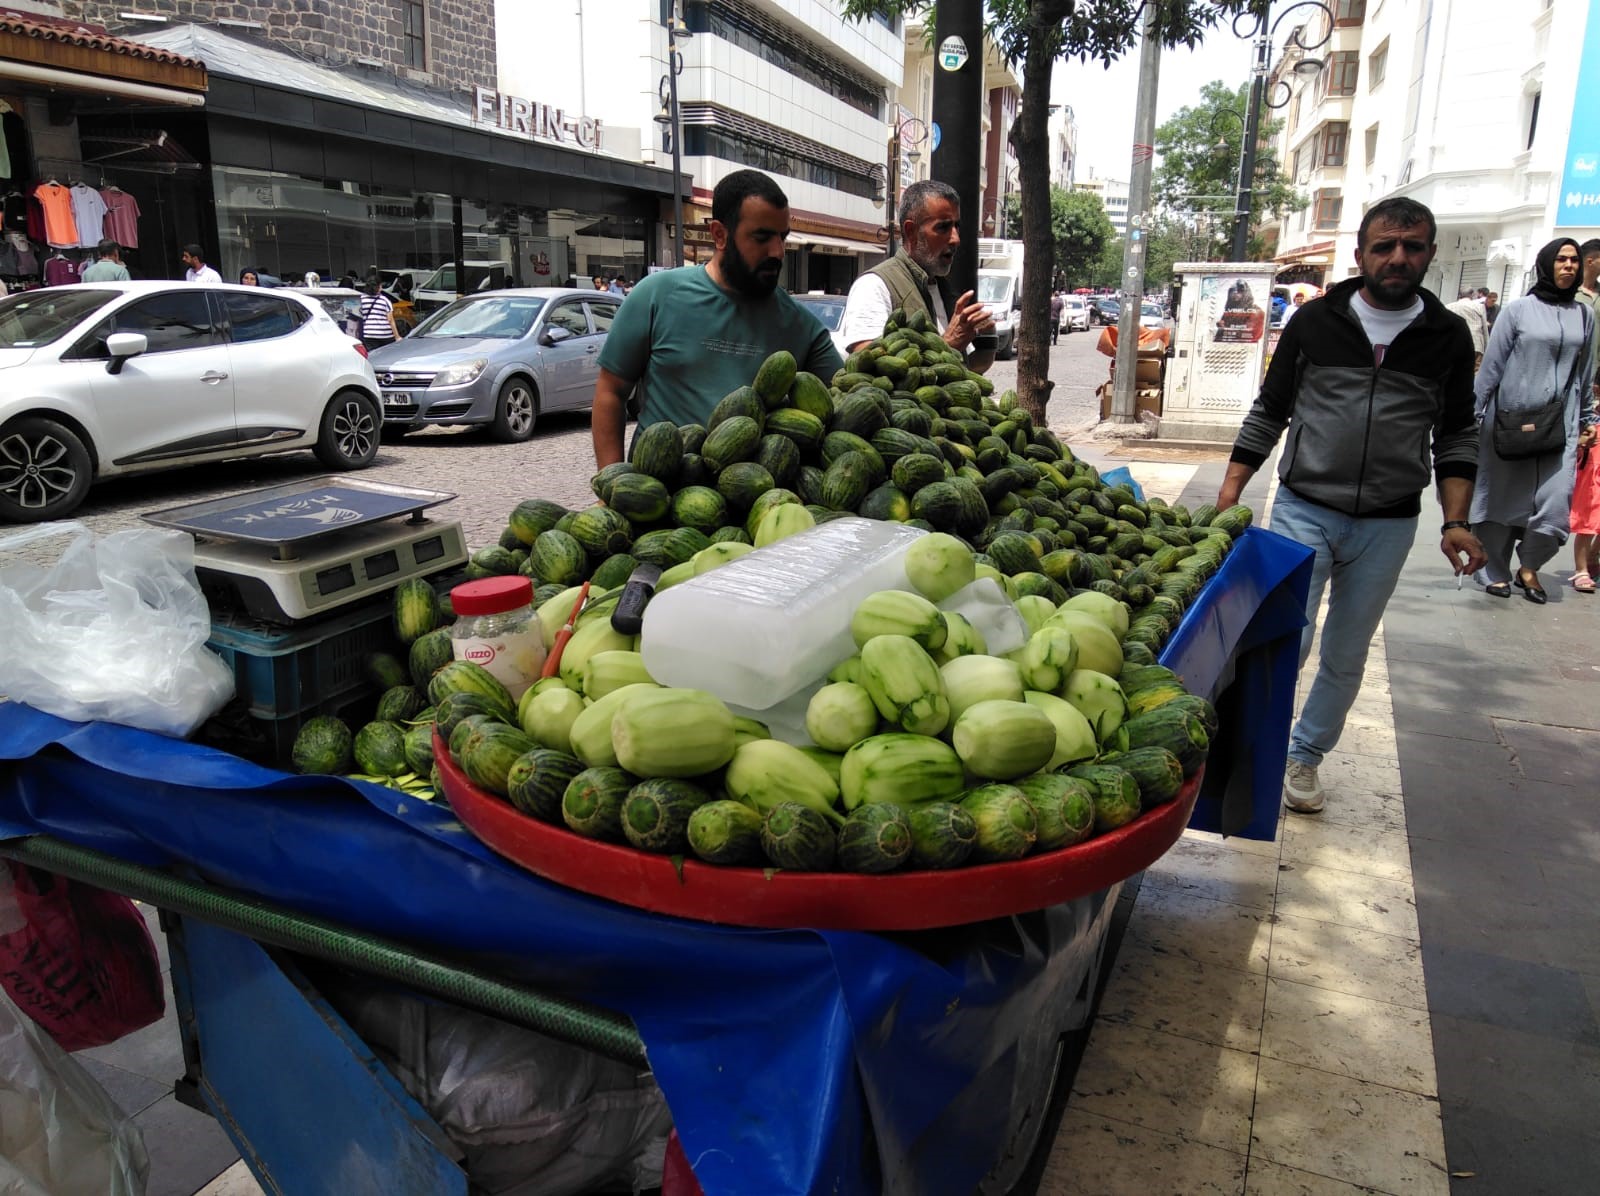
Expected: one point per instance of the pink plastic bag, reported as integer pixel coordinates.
(83, 964)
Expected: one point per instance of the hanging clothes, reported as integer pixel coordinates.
(88, 213)
(121, 222)
(14, 212)
(55, 202)
(60, 271)
(27, 261)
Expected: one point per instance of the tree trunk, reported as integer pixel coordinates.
(1031, 138)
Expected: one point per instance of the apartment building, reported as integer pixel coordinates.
(1063, 147)
(1113, 197)
(1478, 109)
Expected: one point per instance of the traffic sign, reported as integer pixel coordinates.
(952, 53)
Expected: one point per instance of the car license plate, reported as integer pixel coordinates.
(397, 398)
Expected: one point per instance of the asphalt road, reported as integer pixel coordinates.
(489, 479)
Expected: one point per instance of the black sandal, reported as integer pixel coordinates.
(1498, 589)
(1534, 594)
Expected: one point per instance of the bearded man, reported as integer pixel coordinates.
(914, 280)
(1373, 382)
(684, 338)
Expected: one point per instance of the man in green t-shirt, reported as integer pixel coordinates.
(684, 338)
(108, 267)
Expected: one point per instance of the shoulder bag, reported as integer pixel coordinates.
(1522, 434)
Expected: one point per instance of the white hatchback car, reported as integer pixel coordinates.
(1074, 314)
(108, 379)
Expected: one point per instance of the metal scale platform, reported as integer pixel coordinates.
(297, 551)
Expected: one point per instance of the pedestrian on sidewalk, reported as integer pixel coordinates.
(1368, 379)
(1535, 388)
(1057, 303)
(1470, 308)
(1585, 517)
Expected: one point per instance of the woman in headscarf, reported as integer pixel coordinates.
(1541, 350)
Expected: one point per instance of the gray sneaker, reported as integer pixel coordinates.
(1302, 792)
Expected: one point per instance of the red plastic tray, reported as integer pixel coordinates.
(919, 900)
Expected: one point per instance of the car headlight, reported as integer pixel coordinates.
(461, 373)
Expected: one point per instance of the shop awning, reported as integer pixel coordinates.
(1318, 254)
(829, 244)
(67, 56)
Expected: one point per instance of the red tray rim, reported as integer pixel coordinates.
(776, 899)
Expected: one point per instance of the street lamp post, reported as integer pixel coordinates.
(1260, 69)
(671, 119)
(907, 131)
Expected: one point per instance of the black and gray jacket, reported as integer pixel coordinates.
(1361, 436)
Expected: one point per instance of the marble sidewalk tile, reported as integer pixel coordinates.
(1267, 1178)
(1172, 922)
(1217, 872)
(1362, 963)
(1349, 899)
(1341, 773)
(1350, 1036)
(1205, 1002)
(1364, 1134)
(1377, 811)
(1194, 1090)
(1096, 1155)
(1376, 741)
(1233, 842)
(1308, 839)
(235, 1181)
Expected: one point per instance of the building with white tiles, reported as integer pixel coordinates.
(1113, 197)
(1479, 109)
(788, 87)
(1063, 147)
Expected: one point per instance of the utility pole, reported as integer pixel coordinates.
(1247, 153)
(957, 115)
(1133, 250)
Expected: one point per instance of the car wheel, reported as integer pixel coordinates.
(45, 470)
(516, 410)
(351, 427)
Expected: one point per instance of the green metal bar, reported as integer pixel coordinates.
(599, 1030)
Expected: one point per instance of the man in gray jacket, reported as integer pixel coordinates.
(1371, 380)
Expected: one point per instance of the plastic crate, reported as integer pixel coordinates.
(270, 741)
(284, 671)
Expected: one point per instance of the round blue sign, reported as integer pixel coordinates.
(935, 136)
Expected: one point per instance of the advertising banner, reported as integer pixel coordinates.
(1230, 306)
(1580, 179)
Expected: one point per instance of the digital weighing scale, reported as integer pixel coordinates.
(296, 551)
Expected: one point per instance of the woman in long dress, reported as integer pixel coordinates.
(1541, 348)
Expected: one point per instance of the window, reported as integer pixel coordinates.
(1329, 206)
(1533, 118)
(741, 25)
(1372, 146)
(570, 316)
(601, 315)
(1349, 12)
(414, 16)
(1335, 143)
(708, 142)
(1340, 72)
(1377, 65)
(260, 317)
(168, 322)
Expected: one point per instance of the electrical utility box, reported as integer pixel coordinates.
(1219, 348)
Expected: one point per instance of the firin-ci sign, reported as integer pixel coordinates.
(517, 115)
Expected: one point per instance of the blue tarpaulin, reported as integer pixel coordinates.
(776, 1050)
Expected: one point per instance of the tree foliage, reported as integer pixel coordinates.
(1197, 181)
(1033, 34)
(1079, 232)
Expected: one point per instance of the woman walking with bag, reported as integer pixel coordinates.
(377, 316)
(1532, 394)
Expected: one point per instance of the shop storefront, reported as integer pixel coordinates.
(63, 189)
(290, 169)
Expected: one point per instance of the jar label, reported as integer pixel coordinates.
(513, 658)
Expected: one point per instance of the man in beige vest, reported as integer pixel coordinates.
(913, 279)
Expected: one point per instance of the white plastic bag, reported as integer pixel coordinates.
(60, 1133)
(112, 629)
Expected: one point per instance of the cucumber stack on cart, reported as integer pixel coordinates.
(922, 750)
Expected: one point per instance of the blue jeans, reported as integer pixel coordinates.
(1363, 559)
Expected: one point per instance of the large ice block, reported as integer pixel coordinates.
(761, 627)
(765, 627)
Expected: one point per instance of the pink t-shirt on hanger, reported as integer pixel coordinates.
(121, 221)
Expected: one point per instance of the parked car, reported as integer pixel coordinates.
(830, 310)
(1074, 314)
(438, 288)
(1105, 309)
(501, 358)
(1151, 315)
(342, 304)
(115, 378)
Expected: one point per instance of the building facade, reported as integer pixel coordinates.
(1113, 197)
(333, 138)
(1063, 147)
(1479, 110)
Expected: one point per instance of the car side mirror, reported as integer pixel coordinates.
(554, 335)
(123, 345)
